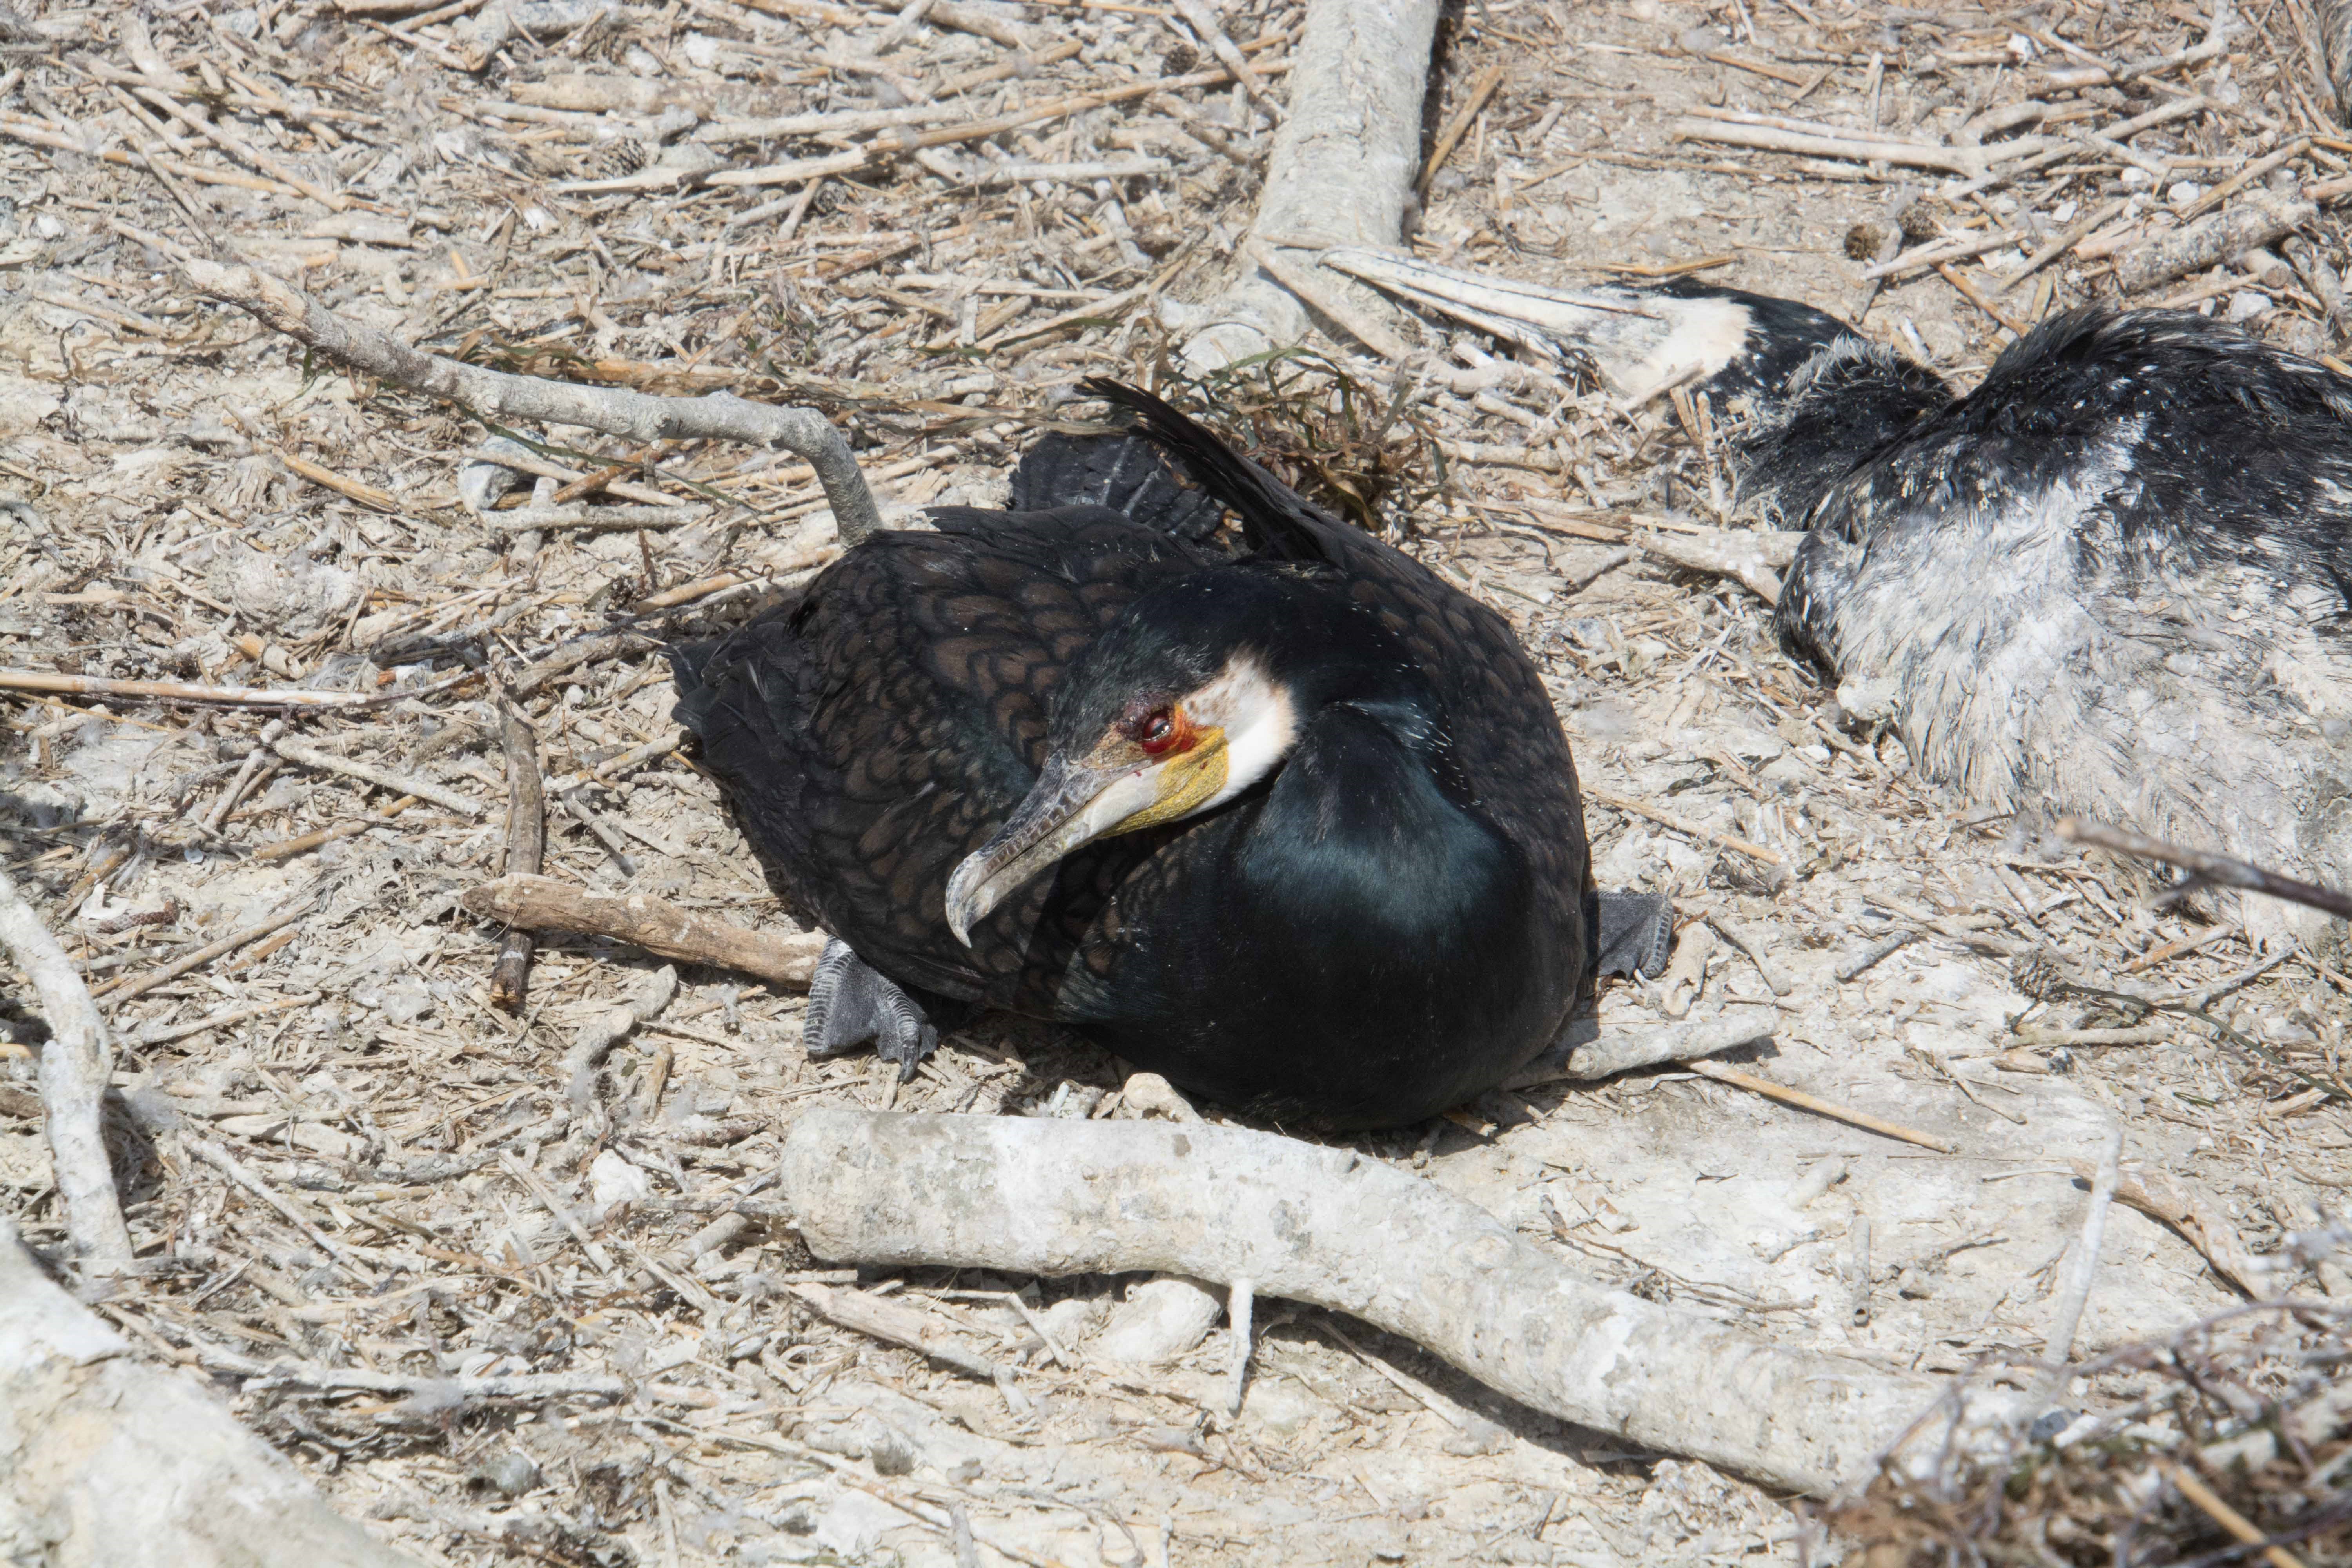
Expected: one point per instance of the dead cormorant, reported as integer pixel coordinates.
(1295, 827)
(2113, 579)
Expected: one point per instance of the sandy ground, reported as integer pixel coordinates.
(153, 525)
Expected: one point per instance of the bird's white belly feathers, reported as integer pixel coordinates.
(2038, 669)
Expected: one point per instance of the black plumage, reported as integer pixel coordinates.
(2111, 579)
(1391, 917)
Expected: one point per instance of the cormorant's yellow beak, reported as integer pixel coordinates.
(1116, 789)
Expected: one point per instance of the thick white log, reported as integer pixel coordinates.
(1341, 170)
(1329, 1226)
(75, 1065)
(107, 1464)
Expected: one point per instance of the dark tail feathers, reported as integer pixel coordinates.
(1124, 473)
(1278, 520)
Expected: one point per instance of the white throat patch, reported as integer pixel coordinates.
(1255, 713)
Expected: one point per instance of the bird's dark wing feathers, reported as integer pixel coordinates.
(1509, 742)
(877, 730)
(2201, 481)
(1122, 472)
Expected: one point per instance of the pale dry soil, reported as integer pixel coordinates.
(150, 529)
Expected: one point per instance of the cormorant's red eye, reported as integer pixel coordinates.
(1159, 732)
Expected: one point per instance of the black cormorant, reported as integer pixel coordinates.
(2113, 579)
(1297, 828)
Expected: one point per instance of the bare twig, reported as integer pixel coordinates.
(543, 903)
(2076, 1293)
(235, 1170)
(2240, 1527)
(1753, 559)
(287, 849)
(526, 846)
(893, 1323)
(599, 1035)
(1458, 124)
(181, 691)
(253, 760)
(1819, 1107)
(493, 395)
(2212, 868)
(116, 992)
(1613, 1049)
(76, 1064)
(1615, 801)
(383, 778)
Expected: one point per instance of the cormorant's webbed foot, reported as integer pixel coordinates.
(850, 1002)
(1632, 933)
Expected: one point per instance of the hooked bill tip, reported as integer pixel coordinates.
(962, 909)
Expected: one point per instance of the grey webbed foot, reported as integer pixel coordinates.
(851, 1003)
(1632, 933)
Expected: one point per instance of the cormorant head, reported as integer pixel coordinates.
(1196, 693)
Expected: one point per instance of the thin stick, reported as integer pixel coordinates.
(2083, 1264)
(1688, 829)
(1736, 553)
(124, 990)
(894, 1324)
(235, 791)
(181, 691)
(1240, 1299)
(383, 778)
(1819, 1107)
(658, 926)
(2071, 235)
(2244, 177)
(1976, 295)
(76, 1066)
(222, 1020)
(526, 848)
(230, 1166)
(1459, 124)
(555, 1206)
(901, 141)
(1772, 139)
(2223, 1514)
(1748, 943)
(1624, 1047)
(1202, 17)
(1892, 945)
(287, 849)
(493, 395)
(2217, 869)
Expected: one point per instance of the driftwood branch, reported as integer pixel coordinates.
(1754, 559)
(75, 1066)
(1341, 171)
(105, 1461)
(2258, 220)
(543, 903)
(493, 395)
(2216, 868)
(1334, 1228)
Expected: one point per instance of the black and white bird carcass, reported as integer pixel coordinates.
(2113, 579)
